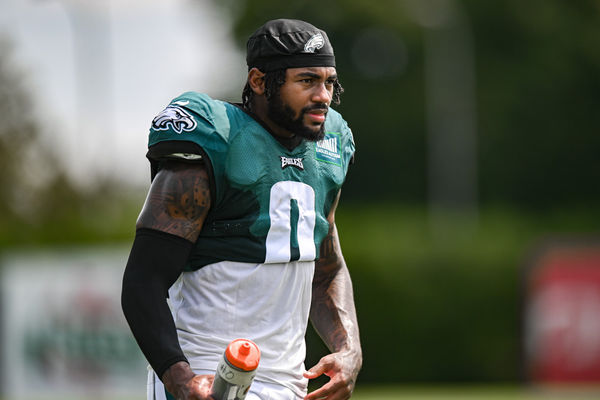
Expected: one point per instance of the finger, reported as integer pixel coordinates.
(312, 374)
(201, 387)
(339, 387)
(325, 365)
(316, 371)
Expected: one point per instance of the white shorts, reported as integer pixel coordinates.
(258, 390)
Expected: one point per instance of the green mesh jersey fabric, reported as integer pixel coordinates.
(269, 203)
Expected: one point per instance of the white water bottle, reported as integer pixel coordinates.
(236, 370)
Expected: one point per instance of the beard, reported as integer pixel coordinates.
(283, 115)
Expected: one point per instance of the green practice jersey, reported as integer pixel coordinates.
(269, 203)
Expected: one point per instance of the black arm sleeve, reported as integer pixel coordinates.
(155, 262)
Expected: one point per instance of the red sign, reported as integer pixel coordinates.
(562, 316)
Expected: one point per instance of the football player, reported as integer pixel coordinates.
(238, 229)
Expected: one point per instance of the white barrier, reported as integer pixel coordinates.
(63, 332)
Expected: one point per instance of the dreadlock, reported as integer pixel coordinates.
(273, 82)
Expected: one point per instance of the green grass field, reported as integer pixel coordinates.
(442, 392)
(472, 393)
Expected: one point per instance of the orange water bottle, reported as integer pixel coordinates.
(236, 370)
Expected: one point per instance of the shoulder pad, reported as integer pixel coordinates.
(193, 117)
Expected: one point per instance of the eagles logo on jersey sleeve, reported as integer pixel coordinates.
(192, 117)
(175, 118)
(193, 125)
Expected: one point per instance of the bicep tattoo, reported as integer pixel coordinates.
(178, 201)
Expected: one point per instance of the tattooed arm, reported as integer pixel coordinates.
(333, 316)
(178, 201)
(168, 226)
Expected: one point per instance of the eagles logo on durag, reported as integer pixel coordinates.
(314, 43)
(174, 117)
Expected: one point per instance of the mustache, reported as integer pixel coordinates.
(315, 107)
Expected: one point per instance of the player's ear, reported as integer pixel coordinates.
(256, 80)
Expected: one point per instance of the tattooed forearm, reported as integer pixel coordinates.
(333, 316)
(178, 201)
(332, 311)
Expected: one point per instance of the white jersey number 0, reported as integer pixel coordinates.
(279, 238)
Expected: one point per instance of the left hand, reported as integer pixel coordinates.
(342, 369)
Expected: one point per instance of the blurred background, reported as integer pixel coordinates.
(469, 220)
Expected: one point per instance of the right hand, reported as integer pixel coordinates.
(184, 384)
